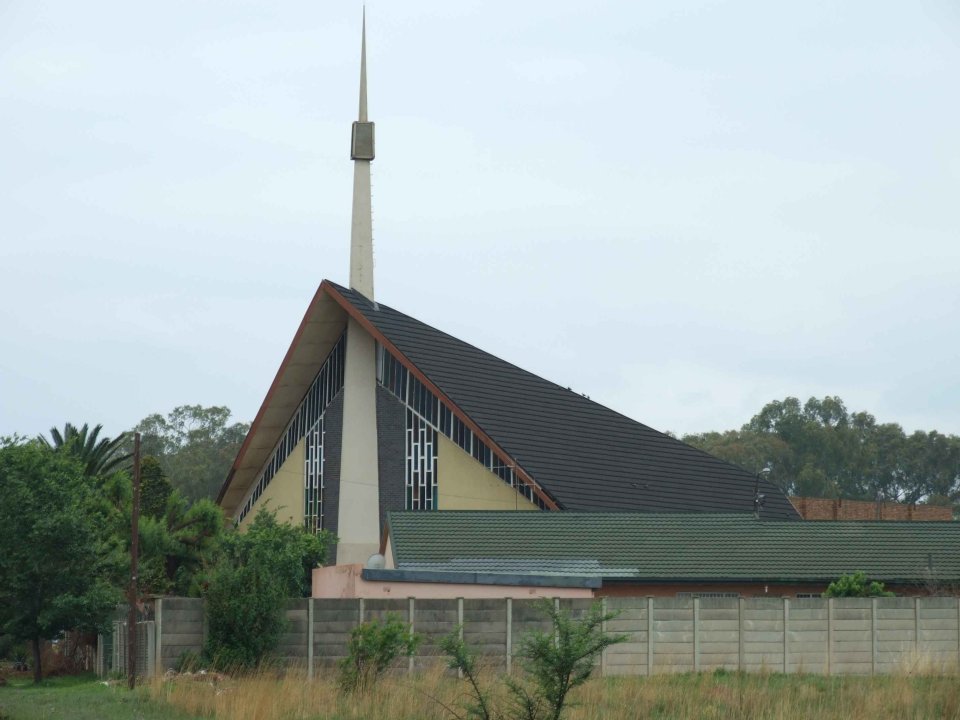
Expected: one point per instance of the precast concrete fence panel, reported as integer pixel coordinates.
(844, 636)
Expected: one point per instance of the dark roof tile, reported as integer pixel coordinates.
(587, 456)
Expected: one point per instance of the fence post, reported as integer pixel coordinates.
(460, 628)
(696, 634)
(916, 626)
(603, 629)
(362, 608)
(509, 635)
(158, 641)
(786, 635)
(829, 635)
(411, 609)
(741, 655)
(310, 639)
(556, 632)
(150, 654)
(649, 634)
(873, 636)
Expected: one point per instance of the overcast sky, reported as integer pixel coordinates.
(682, 209)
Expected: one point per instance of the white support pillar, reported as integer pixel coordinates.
(358, 521)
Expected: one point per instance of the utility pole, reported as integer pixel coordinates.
(134, 551)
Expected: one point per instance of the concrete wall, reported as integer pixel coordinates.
(835, 637)
(346, 581)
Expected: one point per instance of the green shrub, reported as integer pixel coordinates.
(372, 647)
(256, 571)
(856, 585)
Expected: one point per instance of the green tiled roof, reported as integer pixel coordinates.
(698, 546)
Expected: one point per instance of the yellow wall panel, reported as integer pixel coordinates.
(285, 492)
(464, 484)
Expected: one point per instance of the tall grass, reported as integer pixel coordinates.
(723, 695)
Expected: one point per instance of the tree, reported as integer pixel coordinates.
(257, 570)
(821, 449)
(155, 488)
(195, 446)
(177, 546)
(556, 662)
(58, 567)
(99, 456)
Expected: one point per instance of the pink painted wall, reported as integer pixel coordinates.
(344, 581)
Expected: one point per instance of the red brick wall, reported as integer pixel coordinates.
(747, 590)
(834, 509)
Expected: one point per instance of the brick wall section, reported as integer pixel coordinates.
(838, 509)
(391, 452)
(332, 444)
(839, 637)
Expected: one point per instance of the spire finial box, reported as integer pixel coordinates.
(361, 141)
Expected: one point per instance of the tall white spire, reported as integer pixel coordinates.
(362, 153)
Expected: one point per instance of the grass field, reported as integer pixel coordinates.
(723, 696)
(80, 698)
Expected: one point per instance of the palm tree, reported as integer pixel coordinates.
(99, 456)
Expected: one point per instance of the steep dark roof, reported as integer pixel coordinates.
(667, 546)
(586, 456)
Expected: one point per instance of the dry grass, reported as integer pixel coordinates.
(720, 695)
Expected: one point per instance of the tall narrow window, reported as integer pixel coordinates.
(313, 478)
(421, 464)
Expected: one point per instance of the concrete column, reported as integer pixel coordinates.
(741, 655)
(411, 610)
(310, 639)
(556, 634)
(358, 523)
(873, 636)
(786, 634)
(150, 656)
(696, 634)
(361, 231)
(649, 634)
(829, 635)
(158, 614)
(603, 629)
(460, 630)
(916, 626)
(361, 609)
(509, 634)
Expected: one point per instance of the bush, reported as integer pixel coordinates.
(256, 571)
(556, 662)
(372, 647)
(856, 585)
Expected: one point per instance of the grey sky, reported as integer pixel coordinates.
(684, 210)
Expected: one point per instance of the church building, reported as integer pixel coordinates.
(373, 412)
